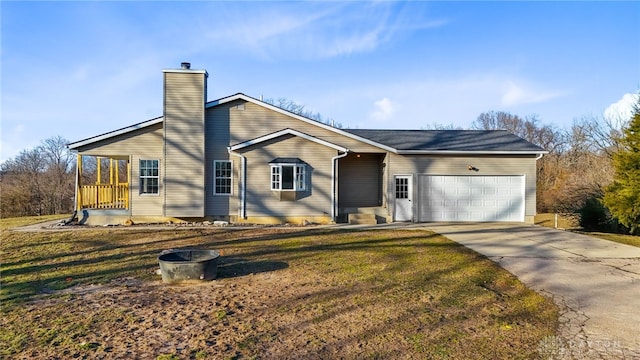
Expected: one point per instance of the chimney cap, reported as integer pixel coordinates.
(185, 65)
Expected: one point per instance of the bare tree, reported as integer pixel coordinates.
(38, 181)
(293, 107)
(600, 134)
(439, 126)
(22, 184)
(57, 175)
(529, 128)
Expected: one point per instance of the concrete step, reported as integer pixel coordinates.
(362, 219)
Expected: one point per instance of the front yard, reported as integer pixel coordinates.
(281, 293)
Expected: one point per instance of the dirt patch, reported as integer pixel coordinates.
(263, 313)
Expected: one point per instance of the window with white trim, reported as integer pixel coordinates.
(288, 177)
(149, 177)
(222, 177)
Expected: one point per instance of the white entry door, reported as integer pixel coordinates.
(403, 190)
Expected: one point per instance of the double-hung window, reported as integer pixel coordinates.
(288, 177)
(222, 177)
(149, 177)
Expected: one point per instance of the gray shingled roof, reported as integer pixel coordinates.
(449, 140)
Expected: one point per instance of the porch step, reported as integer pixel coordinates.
(362, 219)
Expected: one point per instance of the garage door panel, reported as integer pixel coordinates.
(471, 198)
(476, 203)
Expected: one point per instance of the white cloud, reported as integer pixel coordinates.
(518, 94)
(383, 109)
(311, 31)
(411, 104)
(621, 110)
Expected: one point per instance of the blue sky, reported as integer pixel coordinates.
(79, 69)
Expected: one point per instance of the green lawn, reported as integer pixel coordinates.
(295, 292)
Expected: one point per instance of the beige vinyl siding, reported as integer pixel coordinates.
(145, 204)
(239, 121)
(144, 141)
(255, 121)
(458, 165)
(261, 201)
(217, 139)
(184, 171)
(145, 144)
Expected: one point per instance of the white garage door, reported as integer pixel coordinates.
(471, 198)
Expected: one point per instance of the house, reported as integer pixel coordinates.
(240, 159)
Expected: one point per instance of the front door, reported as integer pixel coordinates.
(403, 209)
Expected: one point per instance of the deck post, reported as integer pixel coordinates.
(129, 182)
(111, 171)
(117, 177)
(98, 168)
(78, 182)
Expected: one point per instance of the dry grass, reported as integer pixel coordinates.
(9, 223)
(619, 238)
(281, 293)
(569, 222)
(565, 221)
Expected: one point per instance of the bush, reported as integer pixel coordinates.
(594, 216)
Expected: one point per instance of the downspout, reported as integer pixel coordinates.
(242, 184)
(334, 183)
(539, 156)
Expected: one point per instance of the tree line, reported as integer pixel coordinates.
(38, 181)
(592, 169)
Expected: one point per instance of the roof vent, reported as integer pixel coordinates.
(185, 65)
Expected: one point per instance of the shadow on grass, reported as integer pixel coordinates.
(230, 267)
(397, 294)
(115, 255)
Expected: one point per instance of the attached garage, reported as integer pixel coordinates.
(471, 198)
(456, 175)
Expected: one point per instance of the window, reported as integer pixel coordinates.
(402, 188)
(288, 177)
(149, 179)
(222, 177)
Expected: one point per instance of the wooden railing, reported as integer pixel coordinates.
(104, 196)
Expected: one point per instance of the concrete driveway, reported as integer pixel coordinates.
(595, 282)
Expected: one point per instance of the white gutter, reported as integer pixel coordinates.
(539, 156)
(242, 183)
(464, 152)
(334, 174)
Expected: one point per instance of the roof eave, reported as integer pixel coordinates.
(94, 139)
(296, 116)
(468, 152)
(283, 132)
